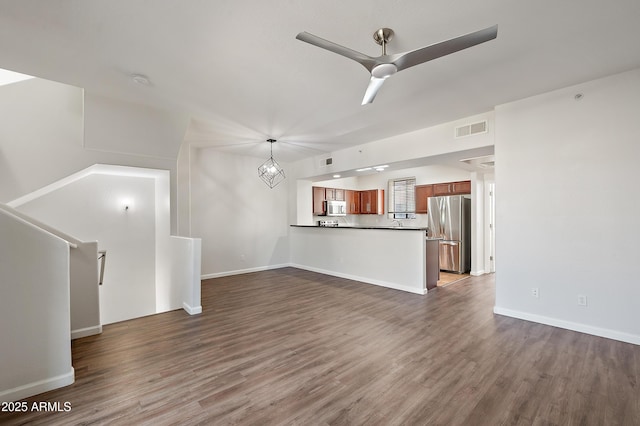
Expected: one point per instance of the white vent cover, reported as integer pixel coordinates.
(471, 129)
(326, 161)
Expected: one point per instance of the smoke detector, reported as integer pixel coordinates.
(141, 79)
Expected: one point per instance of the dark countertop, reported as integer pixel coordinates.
(394, 228)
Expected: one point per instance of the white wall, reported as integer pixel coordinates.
(93, 208)
(186, 270)
(154, 133)
(183, 191)
(417, 147)
(35, 325)
(85, 290)
(44, 136)
(83, 278)
(567, 207)
(243, 223)
(482, 209)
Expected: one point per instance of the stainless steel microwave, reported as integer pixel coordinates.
(335, 208)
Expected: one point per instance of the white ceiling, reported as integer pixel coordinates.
(237, 68)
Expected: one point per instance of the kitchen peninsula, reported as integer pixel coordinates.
(402, 258)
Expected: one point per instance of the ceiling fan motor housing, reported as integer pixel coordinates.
(384, 66)
(384, 70)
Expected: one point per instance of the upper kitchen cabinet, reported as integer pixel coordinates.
(353, 201)
(452, 188)
(332, 194)
(358, 202)
(422, 193)
(372, 201)
(319, 197)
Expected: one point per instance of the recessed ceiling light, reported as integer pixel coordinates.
(363, 170)
(141, 79)
(336, 176)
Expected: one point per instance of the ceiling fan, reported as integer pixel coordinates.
(384, 66)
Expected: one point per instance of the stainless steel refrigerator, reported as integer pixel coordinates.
(450, 220)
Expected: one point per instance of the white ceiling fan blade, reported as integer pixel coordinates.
(374, 85)
(367, 61)
(434, 51)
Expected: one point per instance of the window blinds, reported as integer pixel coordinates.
(402, 195)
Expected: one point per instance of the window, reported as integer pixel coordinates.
(402, 198)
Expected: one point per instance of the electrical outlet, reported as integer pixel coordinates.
(534, 292)
(582, 300)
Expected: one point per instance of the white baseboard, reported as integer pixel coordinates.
(243, 271)
(477, 273)
(87, 331)
(568, 325)
(38, 387)
(320, 271)
(363, 279)
(191, 310)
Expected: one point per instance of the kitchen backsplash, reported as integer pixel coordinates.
(375, 220)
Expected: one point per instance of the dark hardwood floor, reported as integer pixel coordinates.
(294, 347)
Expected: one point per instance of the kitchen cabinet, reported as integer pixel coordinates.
(358, 202)
(319, 197)
(332, 194)
(353, 201)
(372, 201)
(452, 188)
(422, 193)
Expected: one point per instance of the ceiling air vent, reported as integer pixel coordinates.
(326, 161)
(471, 129)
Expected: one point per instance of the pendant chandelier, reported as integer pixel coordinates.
(270, 171)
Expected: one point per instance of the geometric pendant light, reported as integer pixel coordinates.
(270, 171)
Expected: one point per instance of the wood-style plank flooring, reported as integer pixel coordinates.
(289, 346)
(447, 278)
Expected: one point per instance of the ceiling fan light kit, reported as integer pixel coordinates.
(384, 66)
